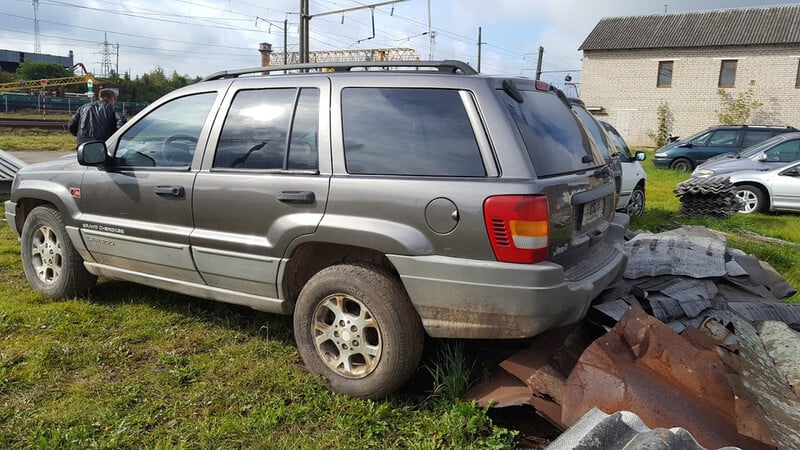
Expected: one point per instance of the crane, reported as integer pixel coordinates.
(49, 82)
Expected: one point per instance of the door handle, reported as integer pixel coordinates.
(170, 191)
(297, 197)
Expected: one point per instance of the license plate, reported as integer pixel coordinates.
(593, 211)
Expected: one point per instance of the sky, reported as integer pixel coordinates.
(200, 37)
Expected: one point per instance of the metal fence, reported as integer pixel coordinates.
(20, 103)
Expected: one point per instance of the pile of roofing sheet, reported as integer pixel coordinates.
(9, 166)
(708, 197)
(695, 337)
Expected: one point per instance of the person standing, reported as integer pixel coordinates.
(97, 120)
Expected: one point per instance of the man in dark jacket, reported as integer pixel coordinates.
(96, 121)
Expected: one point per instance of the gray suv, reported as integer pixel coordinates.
(375, 202)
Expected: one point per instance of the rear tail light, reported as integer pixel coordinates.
(518, 227)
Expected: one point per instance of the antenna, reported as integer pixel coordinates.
(37, 46)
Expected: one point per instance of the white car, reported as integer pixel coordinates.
(634, 178)
(772, 190)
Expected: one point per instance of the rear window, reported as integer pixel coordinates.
(399, 131)
(594, 128)
(554, 139)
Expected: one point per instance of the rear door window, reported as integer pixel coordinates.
(399, 131)
(784, 152)
(553, 137)
(755, 136)
(270, 129)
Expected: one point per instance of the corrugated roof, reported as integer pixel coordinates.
(725, 27)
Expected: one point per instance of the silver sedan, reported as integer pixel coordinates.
(773, 190)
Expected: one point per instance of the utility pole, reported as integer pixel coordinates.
(37, 43)
(480, 42)
(285, 50)
(430, 36)
(306, 16)
(539, 63)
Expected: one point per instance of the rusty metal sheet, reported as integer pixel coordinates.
(644, 367)
(778, 405)
(500, 390)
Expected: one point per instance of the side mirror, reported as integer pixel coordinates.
(640, 156)
(92, 153)
(762, 157)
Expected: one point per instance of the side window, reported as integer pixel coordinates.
(727, 73)
(303, 148)
(254, 135)
(701, 140)
(797, 80)
(755, 136)
(784, 152)
(664, 74)
(167, 136)
(397, 131)
(723, 138)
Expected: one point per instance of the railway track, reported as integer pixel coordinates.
(59, 124)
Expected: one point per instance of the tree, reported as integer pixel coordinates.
(664, 117)
(737, 110)
(7, 77)
(35, 70)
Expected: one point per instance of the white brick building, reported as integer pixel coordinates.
(632, 64)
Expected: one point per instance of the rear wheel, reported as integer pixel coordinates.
(51, 264)
(752, 197)
(356, 328)
(682, 164)
(636, 202)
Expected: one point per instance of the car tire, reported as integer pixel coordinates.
(49, 260)
(356, 329)
(636, 202)
(752, 197)
(682, 164)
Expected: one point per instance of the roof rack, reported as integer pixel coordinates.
(446, 66)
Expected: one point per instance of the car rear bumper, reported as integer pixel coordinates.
(459, 298)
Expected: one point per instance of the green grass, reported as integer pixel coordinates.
(35, 139)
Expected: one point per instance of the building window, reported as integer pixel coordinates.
(664, 74)
(727, 73)
(797, 81)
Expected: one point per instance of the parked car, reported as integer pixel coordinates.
(772, 153)
(634, 178)
(373, 205)
(686, 154)
(602, 139)
(776, 189)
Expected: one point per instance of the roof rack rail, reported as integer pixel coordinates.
(445, 66)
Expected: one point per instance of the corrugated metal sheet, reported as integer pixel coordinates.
(9, 166)
(727, 27)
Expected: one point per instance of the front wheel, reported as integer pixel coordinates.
(682, 164)
(51, 264)
(636, 202)
(356, 328)
(753, 199)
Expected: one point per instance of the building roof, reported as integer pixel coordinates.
(724, 27)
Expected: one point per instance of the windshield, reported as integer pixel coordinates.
(622, 146)
(758, 148)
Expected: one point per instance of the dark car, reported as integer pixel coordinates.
(770, 154)
(688, 153)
